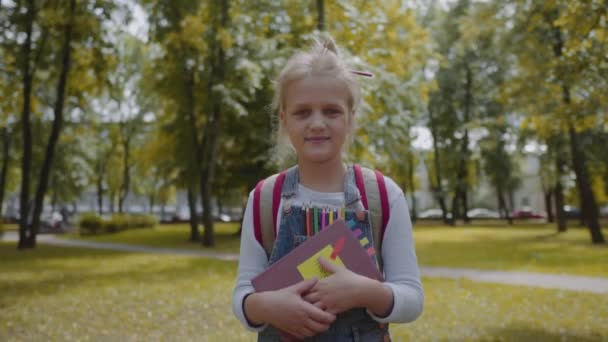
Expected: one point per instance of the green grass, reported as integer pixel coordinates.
(9, 227)
(59, 294)
(535, 248)
(171, 236)
(522, 248)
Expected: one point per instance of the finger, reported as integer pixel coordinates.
(304, 285)
(315, 312)
(317, 327)
(312, 297)
(328, 265)
(320, 305)
(306, 332)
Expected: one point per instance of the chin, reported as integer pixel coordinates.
(318, 158)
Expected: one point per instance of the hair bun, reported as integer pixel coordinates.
(327, 42)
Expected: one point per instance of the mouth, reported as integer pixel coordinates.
(316, 139)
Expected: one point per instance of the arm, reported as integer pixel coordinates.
(252, 261)
(400, 262)
(284, 308)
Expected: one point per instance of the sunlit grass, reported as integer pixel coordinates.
(522, 248)
(8, 227)
(171, 236)
(59, 294)
(536, 248)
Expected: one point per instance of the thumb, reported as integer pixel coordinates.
(328, 265)
(304, 285)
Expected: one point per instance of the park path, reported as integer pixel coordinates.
(543, 280)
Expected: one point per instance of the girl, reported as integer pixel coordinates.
(316, 97)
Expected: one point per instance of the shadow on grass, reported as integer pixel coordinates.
(48, 270)
(526, 333)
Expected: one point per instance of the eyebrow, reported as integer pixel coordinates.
(307, 105)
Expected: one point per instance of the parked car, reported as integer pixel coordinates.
(527, 213)
(223, 218)
(482, 213)
(572, 212)
(433, 213)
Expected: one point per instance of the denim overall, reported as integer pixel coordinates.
(355, 325)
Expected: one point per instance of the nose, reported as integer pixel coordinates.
(317, 120)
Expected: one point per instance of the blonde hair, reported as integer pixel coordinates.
(321, 60)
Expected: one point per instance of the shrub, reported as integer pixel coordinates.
(90, 224)
(93, 224)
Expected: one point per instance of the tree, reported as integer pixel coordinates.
(562, 57)
(62, 42)
(43, 181)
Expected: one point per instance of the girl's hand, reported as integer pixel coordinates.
(288, 312)
(341, 291)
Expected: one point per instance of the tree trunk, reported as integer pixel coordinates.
(506, 212)
(462, 172)
(590, 210)
(410, 176)
(559, 197)
(24, 198)
(194, 233)
(151, 203)
(549, 204)
(100, 194)
(438, 188)
(126, 173)
(455, 210)
(53, 193)
(465, 205)
(56, 128)
(320, 15)
(112, 201)
(6, 148)
(211, 148)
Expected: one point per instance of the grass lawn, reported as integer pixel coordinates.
(529, 247)
(9, 227)
(522, 248)
(170, 235)
(58, 294)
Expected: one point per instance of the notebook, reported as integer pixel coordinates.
(338, 243)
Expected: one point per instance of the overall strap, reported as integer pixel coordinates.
(374, 198)
(266, 199)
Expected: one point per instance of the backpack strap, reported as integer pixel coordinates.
(266, 200)
(374, 198)
(267, 197)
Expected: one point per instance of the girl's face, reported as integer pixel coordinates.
(316, 118)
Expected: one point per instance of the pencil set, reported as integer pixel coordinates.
(319, 218)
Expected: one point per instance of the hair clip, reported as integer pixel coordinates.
(362, 73)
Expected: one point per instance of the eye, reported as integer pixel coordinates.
(332, 111)
(301, 113)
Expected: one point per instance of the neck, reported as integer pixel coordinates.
(323, 177)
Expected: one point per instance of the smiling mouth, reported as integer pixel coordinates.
(314, 139)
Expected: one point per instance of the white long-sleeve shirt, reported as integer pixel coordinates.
(401, 271)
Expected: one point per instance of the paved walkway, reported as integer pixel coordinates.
(552, 281)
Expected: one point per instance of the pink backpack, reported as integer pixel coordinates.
(267, 196)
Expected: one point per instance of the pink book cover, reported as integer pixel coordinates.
(337, 243)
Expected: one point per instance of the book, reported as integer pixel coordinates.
(337, 243)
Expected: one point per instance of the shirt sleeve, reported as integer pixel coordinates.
(402, 274)
(252, 261)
